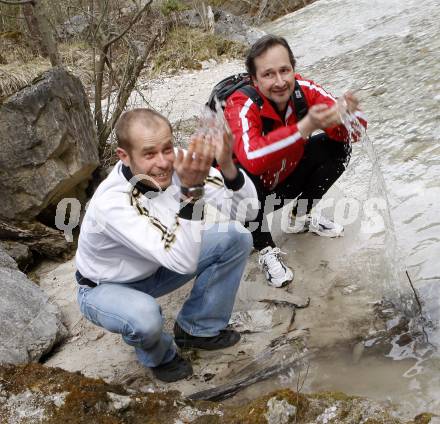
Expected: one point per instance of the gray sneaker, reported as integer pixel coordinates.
(315, 223)
(277, 273)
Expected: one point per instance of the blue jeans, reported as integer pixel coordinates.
(130, 309)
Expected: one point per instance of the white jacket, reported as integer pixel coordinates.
(126, 235)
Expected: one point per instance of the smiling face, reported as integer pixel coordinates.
(275, 76)
(151, 153)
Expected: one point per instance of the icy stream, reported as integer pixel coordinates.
(389, 51)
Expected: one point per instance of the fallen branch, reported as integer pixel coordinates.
(226, 391)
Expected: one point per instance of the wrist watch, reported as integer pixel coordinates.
(195, 192)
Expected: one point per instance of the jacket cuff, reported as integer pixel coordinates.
(192, 211)
(237, 183)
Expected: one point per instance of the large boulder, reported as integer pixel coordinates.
(234, 28)
(30, 324)
(49, 146)
(227, 25)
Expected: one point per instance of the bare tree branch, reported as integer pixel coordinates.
(130, 25)
(99, 72)
(17, 2)
(21, 18)
(103, 15)
(127, 86)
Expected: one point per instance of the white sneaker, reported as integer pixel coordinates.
(277, 274)
(317, 224)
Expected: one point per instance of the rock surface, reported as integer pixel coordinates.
(34, 394)
(21, 240)
(226, 25)
(30, 324)
(233, 28)
(49, 145)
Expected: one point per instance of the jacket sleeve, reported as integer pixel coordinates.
(236, 200)
(161, 237)
(315, 95)
(257, 152)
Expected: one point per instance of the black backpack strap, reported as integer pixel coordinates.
(252, 93)
(299, 102)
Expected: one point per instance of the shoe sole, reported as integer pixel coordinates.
(283, 284)
(317, 233)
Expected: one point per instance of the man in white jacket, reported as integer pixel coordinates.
(144, 236)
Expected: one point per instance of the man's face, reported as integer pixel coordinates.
(275, 76)
(151, 154)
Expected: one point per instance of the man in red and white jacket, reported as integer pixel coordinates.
(277, 148)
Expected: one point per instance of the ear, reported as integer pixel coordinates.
(123, 156)
(254, 81)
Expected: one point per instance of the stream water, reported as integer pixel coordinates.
(389, 52)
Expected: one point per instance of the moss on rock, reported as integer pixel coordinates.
(60, 396)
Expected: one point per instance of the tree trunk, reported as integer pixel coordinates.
(48, 41)
(34, 30)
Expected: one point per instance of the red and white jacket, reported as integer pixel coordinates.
(274, 156)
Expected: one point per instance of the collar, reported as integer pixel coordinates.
(149, 192)
(270, 111)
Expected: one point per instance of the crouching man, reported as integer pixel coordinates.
(143, 236)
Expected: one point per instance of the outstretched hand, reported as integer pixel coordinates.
(319, 116)
(322, 116)
(217, 131)
(223, 153)
(352, 101)
(193, 167)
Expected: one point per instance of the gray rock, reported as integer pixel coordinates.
(279, 411)
(118, 402)
(49, 145)
(19, 252)
(20, 240)
(76, 26)
(6, 261)
(226, 25)
(233, 28)
(190, 18)
(31, 325)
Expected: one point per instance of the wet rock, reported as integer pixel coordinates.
(119, 402)
(49, 146)
(279, 411)
(31, 325)
(328, 415)
(358, 351)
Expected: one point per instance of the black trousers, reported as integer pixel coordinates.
(323, 163)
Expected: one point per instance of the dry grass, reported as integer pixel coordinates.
(187, 48)
(15, 76)
(22, 66)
